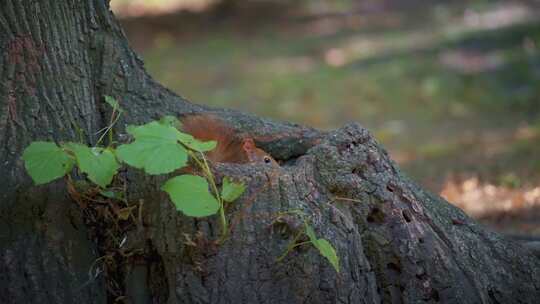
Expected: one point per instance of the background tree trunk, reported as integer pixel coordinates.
(396, 242)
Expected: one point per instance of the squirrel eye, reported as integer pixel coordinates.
(267, 159)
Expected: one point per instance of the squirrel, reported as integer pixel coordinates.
(232, 147)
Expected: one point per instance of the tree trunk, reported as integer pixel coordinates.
(396, 242)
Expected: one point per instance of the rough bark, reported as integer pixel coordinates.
(397, 243)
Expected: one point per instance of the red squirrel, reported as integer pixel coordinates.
(231, 146)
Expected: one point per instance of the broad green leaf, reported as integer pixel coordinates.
(155, 149)
(325, 248)
(45, 162)
(189, 194)
(195, 144)
(171, 121)
(131, 128)
(231, 190)
(154, 156)
(202, 146)
(154, 130)
(185, 138)
(99, 164)
(113, 103)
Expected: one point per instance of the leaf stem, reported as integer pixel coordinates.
(222, 217)
(210, 177)
(292, 245)
(115, 116)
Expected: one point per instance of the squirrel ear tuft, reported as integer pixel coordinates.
(248, 144)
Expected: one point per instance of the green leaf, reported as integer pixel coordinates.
(325, 248)
(185, 138)
(195, 144)
(99, 164)
(154, 130)
(155, 149)
(231, 190)
(45, 162)
(131, 128)
(153, 156)
(311, 234)
(189, 194)
(113, 103)
(202, 146)
(169, 120)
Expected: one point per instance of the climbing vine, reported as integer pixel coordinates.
(158, 147)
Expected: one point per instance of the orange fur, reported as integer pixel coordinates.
(231, 147)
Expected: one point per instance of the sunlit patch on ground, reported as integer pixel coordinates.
(498, 16)
(502, 207)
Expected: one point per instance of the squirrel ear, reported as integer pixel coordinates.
(248, 144)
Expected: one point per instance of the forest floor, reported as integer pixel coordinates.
(451, 90)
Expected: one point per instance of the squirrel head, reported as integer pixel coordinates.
(256, 155)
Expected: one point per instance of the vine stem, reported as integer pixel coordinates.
(293, 245)
(210, 177)
(223, 219)
(115, 116)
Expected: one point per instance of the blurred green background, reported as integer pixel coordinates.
(450, 88)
